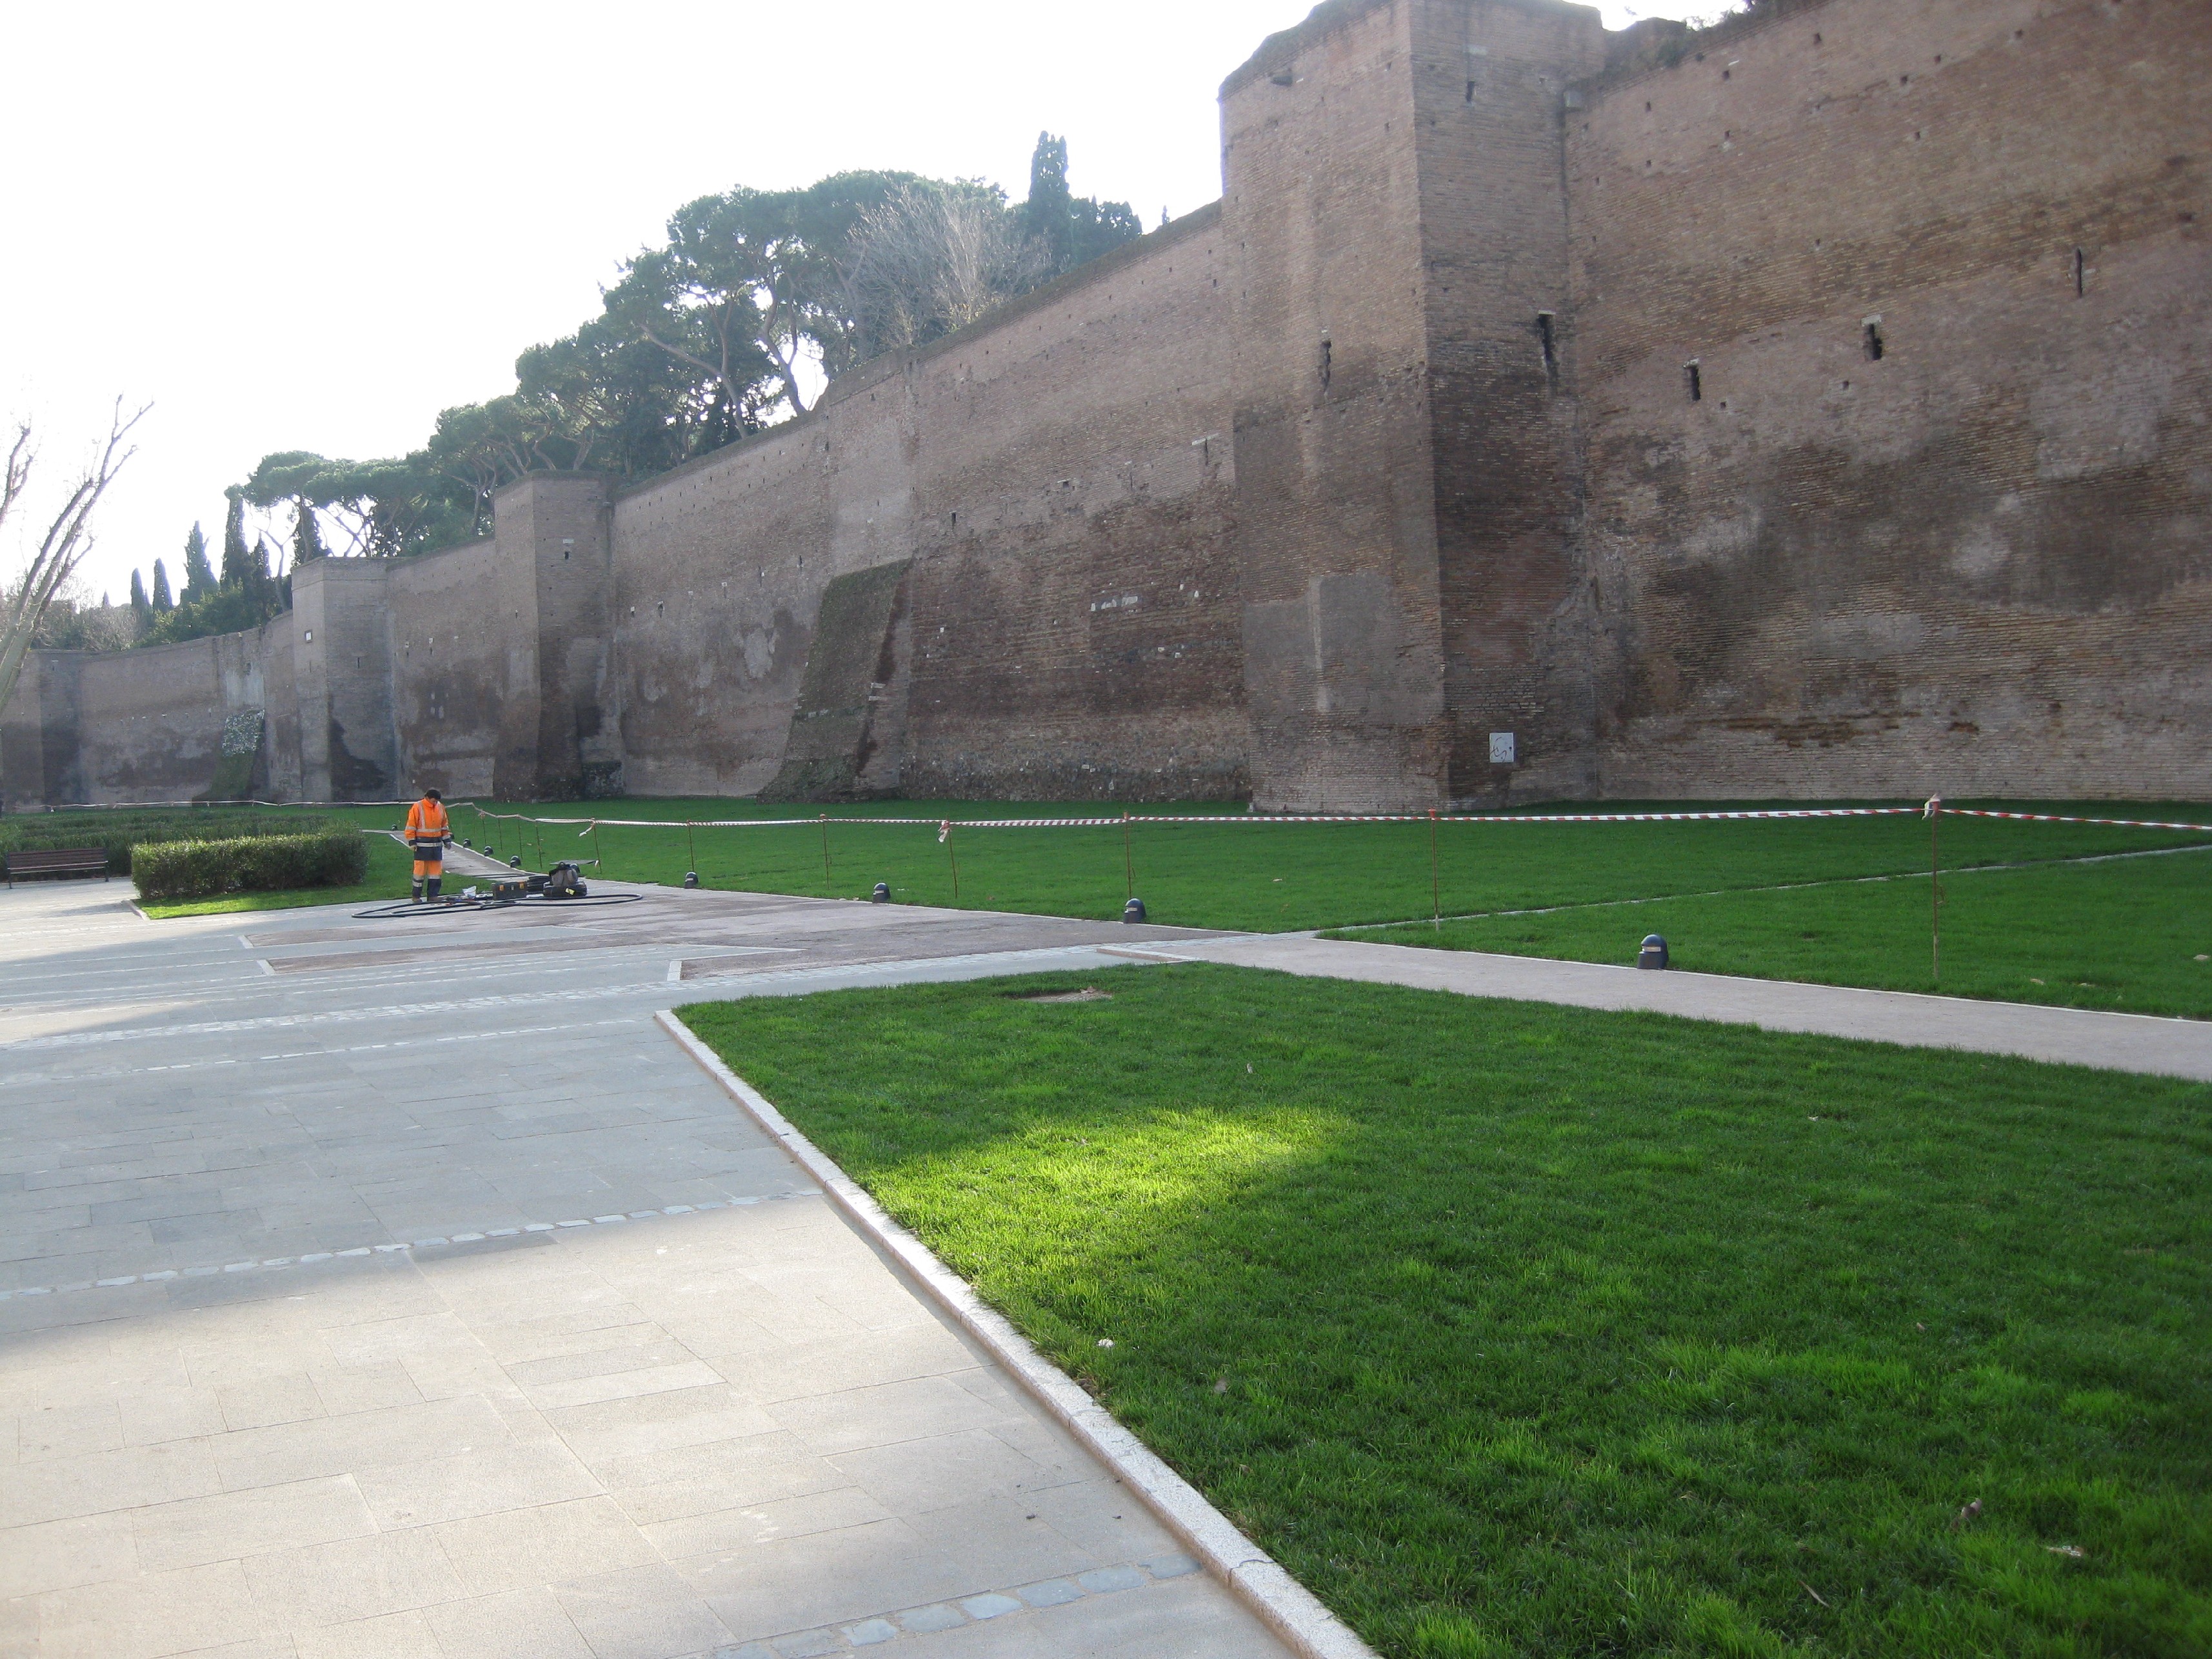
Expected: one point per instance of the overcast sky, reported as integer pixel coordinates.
(314, 227)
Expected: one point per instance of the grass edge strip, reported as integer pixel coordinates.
(1287, 1606)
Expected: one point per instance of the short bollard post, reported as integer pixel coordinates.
(1133, 910)
(882, 895)
(1654, 953)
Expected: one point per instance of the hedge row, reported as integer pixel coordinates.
(119, 830)
(172, 870)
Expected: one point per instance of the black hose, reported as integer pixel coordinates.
(402, 909)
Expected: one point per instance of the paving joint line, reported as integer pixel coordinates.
(831, 1641)
(435, 1241)
(461, 1005)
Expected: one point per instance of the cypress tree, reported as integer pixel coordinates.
(199, 574)
(162, 602)
(237, 570)
(1049, 215)
(142, 610)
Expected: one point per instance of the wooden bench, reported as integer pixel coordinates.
(59, 861)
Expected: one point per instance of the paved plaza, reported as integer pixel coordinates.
(399, 1289)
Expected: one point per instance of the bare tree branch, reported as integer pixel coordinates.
(65, 543)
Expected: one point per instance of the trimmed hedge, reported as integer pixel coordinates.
(117, 830)
(172, 870)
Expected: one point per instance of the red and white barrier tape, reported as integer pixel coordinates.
(1217, 818)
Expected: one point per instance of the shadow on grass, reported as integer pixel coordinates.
(1511, 1328)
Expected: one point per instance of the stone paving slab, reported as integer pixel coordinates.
(446, 1309)
(2124, 1043)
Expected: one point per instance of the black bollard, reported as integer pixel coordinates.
(691, 877)
(1654, 953)
(1133, 910)
(882, 895)
(515, 863)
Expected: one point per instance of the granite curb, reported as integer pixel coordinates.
(1284, 1606)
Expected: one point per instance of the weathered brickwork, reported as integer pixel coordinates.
(1981, 561)
(1061, 476)
(1815, 404)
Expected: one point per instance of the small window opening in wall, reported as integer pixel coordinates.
(1816, 37)
(2080, 275)
(1550, 342)
(1693, 381)
(1327, 352)
(1470, 92)
(1724, 75)
(1874, 342)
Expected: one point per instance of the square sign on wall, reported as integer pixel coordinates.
(1501, 749)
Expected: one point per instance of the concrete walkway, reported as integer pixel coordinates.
(2122, 1043)
(399, 1290)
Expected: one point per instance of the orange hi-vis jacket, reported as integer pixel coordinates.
(427, 831)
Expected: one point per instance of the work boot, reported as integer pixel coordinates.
(417, 898)
(436, 882)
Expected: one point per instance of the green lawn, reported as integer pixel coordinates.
(1252, 873)
(1522, 1330)
(2130, 930)
(2133, 934)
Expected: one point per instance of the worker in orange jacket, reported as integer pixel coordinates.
(428, 829)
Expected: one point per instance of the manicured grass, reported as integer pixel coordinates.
(2133, 934)
(1258, 875)
(390, 868)
(1514, 1330)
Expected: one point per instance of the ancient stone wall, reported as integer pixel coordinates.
(1340, 613)
(1981, 561)
(451, 634)
(1059, 476)
(150, 724)
(1816, 404)
(1075, 605)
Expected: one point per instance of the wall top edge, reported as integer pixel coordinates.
(555, 476)
(456, 547)
(335, 566)
(1280, 51)
(879, 371)
(1656, 46)
(204, 643)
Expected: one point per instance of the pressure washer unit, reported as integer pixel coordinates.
(565, 881)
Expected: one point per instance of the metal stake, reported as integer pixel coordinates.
(1129, 858)
(1934, 896)
(691, 851)
(955, 857)
(1435, 888)
(825, 847)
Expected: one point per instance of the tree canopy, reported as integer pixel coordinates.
(755, 297)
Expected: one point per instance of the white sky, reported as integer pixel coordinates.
(314, 227)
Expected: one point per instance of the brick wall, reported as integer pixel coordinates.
(1059, 476)
(451, 632)
(1311, 492)
(1979, 564)
(147, 725)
